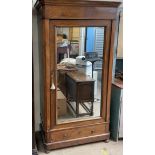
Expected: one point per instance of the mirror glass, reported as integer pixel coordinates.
(79, 72)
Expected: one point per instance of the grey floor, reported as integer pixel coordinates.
(99, 148)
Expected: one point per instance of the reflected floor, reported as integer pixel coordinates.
(69, 116)
(65, 113)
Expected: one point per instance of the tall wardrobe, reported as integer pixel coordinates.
(75, 83)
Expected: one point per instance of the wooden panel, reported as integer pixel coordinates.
(105, 70)
(85, 122)
(46, 60)
(77, 133)
(113, 33)
(78, 141)
(79, 77)
(81, 23)
(85, 92)
(85, 3)
(78, 12)
(53, 71)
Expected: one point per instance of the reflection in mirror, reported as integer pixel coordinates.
(79, 72)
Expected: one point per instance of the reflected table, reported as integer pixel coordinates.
(79, 89)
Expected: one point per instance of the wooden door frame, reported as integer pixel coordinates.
(51, 115)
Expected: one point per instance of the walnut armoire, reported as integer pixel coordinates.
(54, 13)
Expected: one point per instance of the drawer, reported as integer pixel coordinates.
(85, 91)
(77, 133)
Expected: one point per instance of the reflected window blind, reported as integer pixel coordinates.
(99, 41)
(99, 45)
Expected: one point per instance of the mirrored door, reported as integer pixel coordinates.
(79, 68)
(79, 53)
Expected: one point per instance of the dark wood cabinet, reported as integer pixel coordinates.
(79, 89)
(116, 110)
(83, 13)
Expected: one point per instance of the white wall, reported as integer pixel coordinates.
(36, 69)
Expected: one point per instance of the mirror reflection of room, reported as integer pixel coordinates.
(79, 72)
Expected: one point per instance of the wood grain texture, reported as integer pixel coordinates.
(105, 70)
(78, 132)
(113, 32)
(46, 55)
(78, 12)
(79, 77)
(84, 123)
(53, 72)
(102, 3)
(78, 141)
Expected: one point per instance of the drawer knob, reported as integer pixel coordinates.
(65, 135)
(92, 131)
